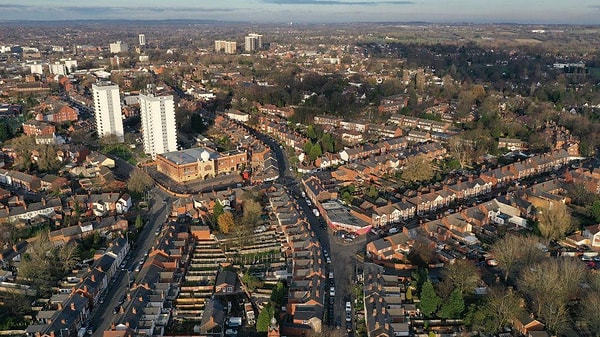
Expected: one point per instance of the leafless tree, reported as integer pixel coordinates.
(554, 222)
(514, 252)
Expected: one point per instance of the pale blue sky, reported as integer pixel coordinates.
(303, 11)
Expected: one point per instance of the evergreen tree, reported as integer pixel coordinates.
(264, 318)
(430, 301)
(454, 306)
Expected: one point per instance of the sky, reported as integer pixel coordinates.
(311, 11)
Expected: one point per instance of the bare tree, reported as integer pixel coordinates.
(514, 252)
(554, 222)
(463, 275)
(138, 181)
(549, 285)
(501, 307)
(591, 311)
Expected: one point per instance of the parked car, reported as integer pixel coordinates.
(393, 230)
(332, 291)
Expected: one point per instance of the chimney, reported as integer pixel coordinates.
(128, 296)
(43, 201)
(93, 278)
(24, 205)
(72, 306)
(63, 321)
(60, 306)
(134, 310)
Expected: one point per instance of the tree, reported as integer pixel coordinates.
(310, 132)
(591, 311)
(315, 152)
(139, 182)
(499, 309)
(463, 275)
(217, 211)
(278, 293)
(139, 223)
(461, 150)
(226, 222)
(5, 133)
(514, 252)
(327, 143)
(252, 211)
(430, 301)
(47, 159)
(454, 306)
(23, 146)
(421, 253)
(409, 295)
(554, 222)
(417, 168)
(595, 210)
(550, 284)
(264, 318)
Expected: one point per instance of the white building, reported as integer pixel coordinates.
(58, 69)
(142, 39)
(158, 124)
(118, 47)
(253, 42)
(107, 106)
(229, 47)
(37, 68)
(71, 65)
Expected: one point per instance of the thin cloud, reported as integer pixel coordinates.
(109, 9)
(336, 2)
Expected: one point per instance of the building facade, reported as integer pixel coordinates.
(199, 163)
(253, 42)
(158, 124)
(118, 47)
(107, 107)
(229, 47)
(142, 39)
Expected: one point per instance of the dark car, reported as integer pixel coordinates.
(349, 326)
(338, 322)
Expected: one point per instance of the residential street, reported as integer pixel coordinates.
(103, 315)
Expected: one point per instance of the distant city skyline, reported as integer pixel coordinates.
(308, 11)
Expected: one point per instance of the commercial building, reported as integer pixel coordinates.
(158, 124)
(107, 107)
(228, 47)
(142, 39)
(253, 42)
(199, 163)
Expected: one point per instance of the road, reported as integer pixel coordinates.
(343, 255)
(103, 315)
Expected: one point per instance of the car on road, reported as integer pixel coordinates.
(393, 230)
(348, 307)
(117, 309)
(338, 322)
(331, 275)
(328, 259)
(349, 326)
(348, 317)
(332, 291)
(308, 202)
